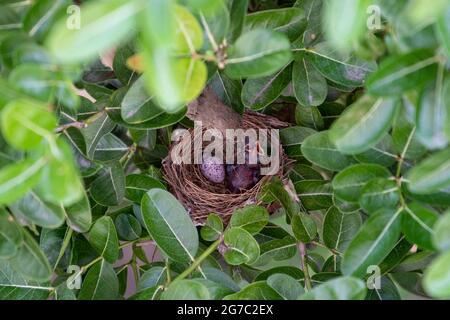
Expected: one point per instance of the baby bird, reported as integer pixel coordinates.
(242, 177)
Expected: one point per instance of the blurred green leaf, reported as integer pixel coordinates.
(432, 174)
(437, 278)
(400, 73)
(102, 25)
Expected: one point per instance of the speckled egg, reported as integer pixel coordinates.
(213, 169)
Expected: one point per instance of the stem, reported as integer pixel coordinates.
(302, 250)
(169, 278)
(405, 149)
(333, 251)
(75, 124)
(135, 270)
(199, 260)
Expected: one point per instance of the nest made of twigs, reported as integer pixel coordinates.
(202, 197)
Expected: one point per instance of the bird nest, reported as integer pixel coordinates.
(202, 197)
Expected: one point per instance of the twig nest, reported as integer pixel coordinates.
(213, 169)
(207, 188)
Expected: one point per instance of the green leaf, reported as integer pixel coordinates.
(348, 184)
(400, 73)
(170, 225)
(342, 288)
(216, 291)
(375, 240)
(55, 243)
(103, 238)
(286, 286)
(227, 90)
(275, 191)
(387, 291)
(304, 227)
(258, 53)
(404, 137)
(382, 153)
(103, 25)
(437, 278)
(38, 211)
(100, 283)
(79, 216)
(110, 148)
(128, 227)
(95, 131)
(241, 247)
(304, 172)
(431, 175)
(261, 92)
(138, 184)
(290, 21)
(339, 228)
(13, 286)
(431, 114)
(343, 34)
(417, 225)
(9, 19)
(138, 105)
(37, 80)
(314, 194)
(213, 228)
(363, 124)
(344, 69)
(251, 218)
(215, 23)
(293, 272)
(184, 78)
(25, 123)
(30, 261)
(255, 291)
(277, 250)
(10, 235)
(238, 12)
(109, 188)
(186, 290)
(18, 178)
(309, 117)
(319, 149)
(443, 30)
(60, 181)
(153, 277)
(42, 16)
(378, 194)
(295, 135)
(310, 87)
(441, 238)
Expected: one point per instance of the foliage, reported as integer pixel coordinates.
(80, 178)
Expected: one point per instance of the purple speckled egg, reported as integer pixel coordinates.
(213, 169)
